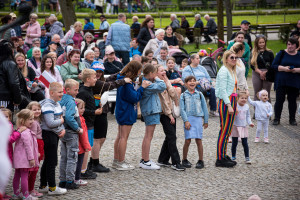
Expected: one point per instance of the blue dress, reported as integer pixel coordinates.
(196, 130)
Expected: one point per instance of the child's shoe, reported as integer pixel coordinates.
(149, 165)
(178, 167)
(30, 197)
(266, 140)
(71, 185)
(124, 166)
(256, 140)
(62, 184)
(16, 197)
(81, 182)
(43, 190)
(88, 175)
(248, 161)
(230, 140)
(115, 164)
(233, 158)
(200, 164)
(57, 191)
(186, 163)
(35, 193)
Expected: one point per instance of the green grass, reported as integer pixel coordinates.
(236, 20)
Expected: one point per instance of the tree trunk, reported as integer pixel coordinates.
(68, 13)
(228, 6)
(220, 21)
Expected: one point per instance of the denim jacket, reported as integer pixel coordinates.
(193, 105)
(150, 103)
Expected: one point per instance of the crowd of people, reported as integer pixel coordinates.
(53, 84)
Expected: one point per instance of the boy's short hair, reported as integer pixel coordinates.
(185, 60)
(87, 73)
(187, 79)
(54, 86)
(79, 101)
(69, 83)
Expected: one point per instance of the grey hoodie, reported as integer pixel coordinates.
(51, 116)
(56, 28)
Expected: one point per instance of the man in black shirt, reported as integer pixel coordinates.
(244, 28)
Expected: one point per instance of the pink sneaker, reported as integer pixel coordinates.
(35, 193)
(266, 140)
(256, 140)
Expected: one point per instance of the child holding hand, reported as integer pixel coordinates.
(25, 158)
(263, 112)
(240, 129)
(192, 108)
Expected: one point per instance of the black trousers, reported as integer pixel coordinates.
(79, 165)
(99, 9)
(235, 141)
(50, 149)
(124, 55)
(206, 35)
(169, 148)
(292, 94)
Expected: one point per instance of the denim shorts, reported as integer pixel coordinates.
(152, 119)
(91, 136)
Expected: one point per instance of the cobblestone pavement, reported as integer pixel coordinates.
(273, 174)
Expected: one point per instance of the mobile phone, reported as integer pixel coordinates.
(292, 67)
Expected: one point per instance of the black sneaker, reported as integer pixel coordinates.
(178, 167)
(62, 184)
(164, 164)
(88, 175)
(276, 122)
(200, 164)
(186, 163)
(229, 159)
(100, 168)
(72, 186)
(293, 122)
(224, 163)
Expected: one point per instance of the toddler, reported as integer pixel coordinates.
(192, 108)
(35, 107)
(25, 157)
(263, 112)
(240, 129)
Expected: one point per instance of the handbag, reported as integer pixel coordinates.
(271, 73)
(175, 109)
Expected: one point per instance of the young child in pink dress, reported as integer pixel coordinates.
(240, 129)
(35, 107)
(25, 157)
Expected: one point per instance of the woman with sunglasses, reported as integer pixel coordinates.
(287, 81)
(226, 91)
(261, 61)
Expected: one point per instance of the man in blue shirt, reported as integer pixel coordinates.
(88, 25)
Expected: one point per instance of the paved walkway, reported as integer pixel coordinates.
(273, 174)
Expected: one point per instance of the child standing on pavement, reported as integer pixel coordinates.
(35, 107)
(69, 143)
(25, 158)
(84, 145)
(86, 94)
(192, 108)
(52, 129)
(151, 109)
(263, 112)
(240, 129)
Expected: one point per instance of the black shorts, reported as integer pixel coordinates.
(100, 126)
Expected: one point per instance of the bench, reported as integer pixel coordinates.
(245, 3)
(191, 4)
(98, 34)
(165, 4)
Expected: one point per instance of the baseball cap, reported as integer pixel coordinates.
(51, 43)
(43, 28)
(105, 34)
(69, 41)
(96, 65)
(245, 22)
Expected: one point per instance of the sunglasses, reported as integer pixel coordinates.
(233, 57)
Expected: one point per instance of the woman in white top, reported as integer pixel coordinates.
(157, 43)
(239, 49)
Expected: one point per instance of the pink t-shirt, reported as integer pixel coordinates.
(77, 38)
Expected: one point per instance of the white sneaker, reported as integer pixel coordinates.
(44, 190)
(30, 198)
(123, 166)
(115, 164)
(81, 182)
(57, 191)
(248, 161)
(149, 165)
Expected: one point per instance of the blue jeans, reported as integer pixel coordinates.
(129, 8)
(212, 99)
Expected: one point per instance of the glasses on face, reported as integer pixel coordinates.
(233, 57)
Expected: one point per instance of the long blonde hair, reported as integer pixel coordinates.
(255, 50)
(225, 57)
(24, 70)
(23, 116)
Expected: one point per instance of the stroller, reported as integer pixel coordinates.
(179, 56)
(210, 65)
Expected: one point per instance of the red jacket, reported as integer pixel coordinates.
(84, 143)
